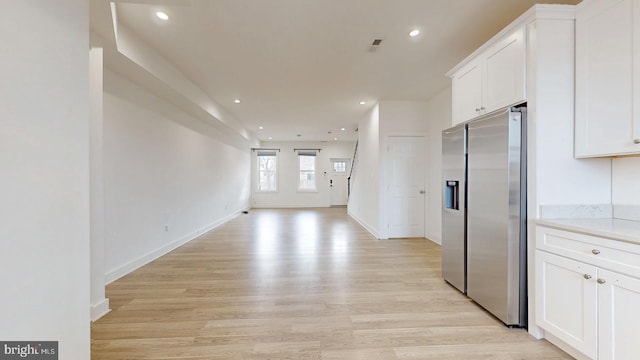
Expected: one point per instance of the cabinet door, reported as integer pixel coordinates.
(604, 119)
(505, 72)
(566, 301)
(467, 92)
(619, 316)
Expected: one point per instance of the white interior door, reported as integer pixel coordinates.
(406, 159)
(338, 181)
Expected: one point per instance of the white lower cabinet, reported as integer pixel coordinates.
(566, 301)
(618, 316)
(594, 310)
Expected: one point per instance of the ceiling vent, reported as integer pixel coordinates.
(375, 45)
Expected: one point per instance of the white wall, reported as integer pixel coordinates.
(168, 176)
(626, 183)
(99, 303)
(44, 187)
(438, 116)
(363, 202)
(288, 195)
(402, 117)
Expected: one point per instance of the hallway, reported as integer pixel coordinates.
(300, 284)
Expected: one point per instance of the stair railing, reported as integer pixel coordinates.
(353, 166)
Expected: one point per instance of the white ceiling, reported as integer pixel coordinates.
(301, 67)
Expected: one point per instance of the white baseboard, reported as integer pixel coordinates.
(533, 329)
(434, 238)
(364, 224)
(289, 206)
(122, 270)
(100, 309)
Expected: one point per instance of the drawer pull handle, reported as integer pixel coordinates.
(587, 276)
(595, 251)
(601, 281)
(636, 141)
(477, 109)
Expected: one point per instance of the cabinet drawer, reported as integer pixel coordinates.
(606, 253)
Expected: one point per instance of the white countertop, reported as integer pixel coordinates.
(617, 229)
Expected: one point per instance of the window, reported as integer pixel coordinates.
(267, 170)
(339, 166)
(307, 166)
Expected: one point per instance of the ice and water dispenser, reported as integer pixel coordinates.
(451, 194)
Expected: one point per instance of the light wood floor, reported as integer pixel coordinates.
(301, 284)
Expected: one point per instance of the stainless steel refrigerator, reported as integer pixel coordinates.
(484, 212)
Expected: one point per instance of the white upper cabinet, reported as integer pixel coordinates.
(492, 79)
(467, 92)
(505, 72)
(607, 120)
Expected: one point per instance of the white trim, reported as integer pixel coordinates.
(135, 264)
(364, 224)
(407, 134)
(100, 309)
(289, 206)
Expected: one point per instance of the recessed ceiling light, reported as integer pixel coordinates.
(260, 127)
(237, 101)
(336, 139)
(414, 33)
(363, 102)
(162, 15)
(270, 138)
(343, 129)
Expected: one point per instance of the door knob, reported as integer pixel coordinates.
(595, 251)
(601, 281)
(636, 141)
(587, 276)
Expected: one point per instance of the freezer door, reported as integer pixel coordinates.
(493, 215)
(453, 207)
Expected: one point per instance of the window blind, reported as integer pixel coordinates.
(306, 153)
(266, 153)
